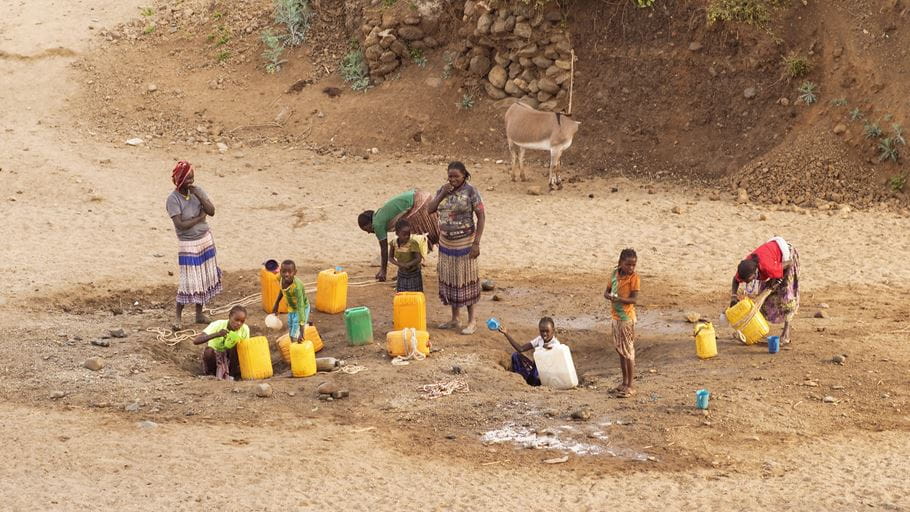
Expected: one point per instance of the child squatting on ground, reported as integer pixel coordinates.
(623, 294)
(522, 364)
(222, 336)
(294, 294)
(407, 256)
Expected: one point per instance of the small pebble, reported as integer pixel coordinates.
(327, 388)
(487, 285)
(101, 343)
(147, 425)
(263, 390)
(821, 314)
(581, 415)
(118, 333)
(839, 359)
(829, 400)
(56, 395)
(94, 363)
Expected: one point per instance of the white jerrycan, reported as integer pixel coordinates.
(555, 367)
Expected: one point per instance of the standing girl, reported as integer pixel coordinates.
(623, 295)
(407, 256)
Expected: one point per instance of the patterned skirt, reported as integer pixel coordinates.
(200, 277)
(782, 304)
(422, 221)
(624, 338)
(459, 284)
(409, 281)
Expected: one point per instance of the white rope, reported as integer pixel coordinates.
(171, 338)
(410, 340)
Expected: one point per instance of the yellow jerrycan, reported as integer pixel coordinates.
(270, 287)
(303, 359)
(284, 347)
(310, 333)
(398, 345)
(332, 291)
(747, 319)
(705, 340)
(255, 358)
(409, 309)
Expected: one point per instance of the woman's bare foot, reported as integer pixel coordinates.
(202, 319)
(470, 329)
(451, 324)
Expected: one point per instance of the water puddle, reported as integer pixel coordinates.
(560, 438)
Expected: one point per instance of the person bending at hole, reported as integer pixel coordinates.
(219, 358)
(773, 265)
(524, 365)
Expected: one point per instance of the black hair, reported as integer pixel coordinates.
(547, 321)
(365, 219)
(627, 253)
(289, 262)
(747, 267)
(236, 309)
(401, 224)
(458, 166)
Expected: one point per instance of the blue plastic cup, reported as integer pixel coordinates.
(701, 398)
(493, 324)
(773, 344)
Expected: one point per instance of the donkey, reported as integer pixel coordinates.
(527, 128)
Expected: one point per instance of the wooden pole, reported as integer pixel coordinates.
(571, 82)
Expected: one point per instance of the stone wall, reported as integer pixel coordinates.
(392, 34)
(516, 51)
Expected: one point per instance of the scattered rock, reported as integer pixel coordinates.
(263, 390)
(147, 425)
(785, 102)
(534, 190)
(821, 314)
(695, 46)
(374, 151)
(152, 88)
(823, 305)
(742, 196)
(457, 370)
(497, 298)
(557, 460)
(222, 147)
(829, 400)
(117, 333)
(762, 217)
(749, 93)
(132, 407)
(135, 141)
(116, 311)
(581, 415)
(101, 343)
(327, 388)
(839, 359)
(693, 317)
(341, 393)
(840, 128)
(94, 363)
(57, 395)
(677, 210)
(487, 285)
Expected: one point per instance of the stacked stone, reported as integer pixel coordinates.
(389, 38)
(517, 51)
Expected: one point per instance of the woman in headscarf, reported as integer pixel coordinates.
(458, 202)
(774, 265)
(200, 278)
(411, 206)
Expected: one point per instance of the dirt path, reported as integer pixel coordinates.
(83, 212)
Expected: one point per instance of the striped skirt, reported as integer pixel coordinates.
(422, 221)
(200, 277)
(459, 284)
(624, 338)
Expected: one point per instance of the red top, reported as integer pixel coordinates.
(770, 262)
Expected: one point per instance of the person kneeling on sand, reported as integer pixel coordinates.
(522, 364)
(222, 337)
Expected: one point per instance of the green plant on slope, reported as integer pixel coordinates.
(295, 16)
(272, 53)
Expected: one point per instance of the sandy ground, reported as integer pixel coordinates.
(85, 220)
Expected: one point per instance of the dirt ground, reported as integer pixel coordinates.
(89, 249)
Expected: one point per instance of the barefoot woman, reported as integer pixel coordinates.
(200, 277)
(458, 203)
(773, 265)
